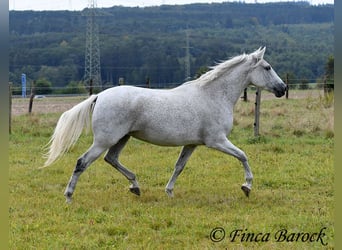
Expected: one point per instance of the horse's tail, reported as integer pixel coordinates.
(69, 128)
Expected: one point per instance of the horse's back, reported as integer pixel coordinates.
(163, 117)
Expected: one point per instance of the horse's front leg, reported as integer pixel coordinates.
(182, 159)
(247, 186)
(225, 146)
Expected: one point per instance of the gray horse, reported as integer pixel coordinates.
(198, 112)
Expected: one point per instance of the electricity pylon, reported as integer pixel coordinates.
(92, 73)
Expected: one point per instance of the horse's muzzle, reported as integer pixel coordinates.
(280, 90)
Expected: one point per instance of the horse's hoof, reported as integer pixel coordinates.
(135, 190)
(169, 192)
(68, 199)
(246, 190)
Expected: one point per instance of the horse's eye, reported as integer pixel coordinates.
(268, 67)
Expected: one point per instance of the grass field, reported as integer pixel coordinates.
(293, 190)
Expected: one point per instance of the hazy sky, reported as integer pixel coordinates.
(81, 4)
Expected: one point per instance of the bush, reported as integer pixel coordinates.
(43, 87)
(74, 88)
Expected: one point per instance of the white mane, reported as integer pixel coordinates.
(219, 69)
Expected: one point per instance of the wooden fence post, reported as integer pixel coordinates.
(328, 87)
(287, 86)
(257, 111)
(32, 96)
(10, 108)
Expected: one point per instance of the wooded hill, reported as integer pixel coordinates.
(140, 43)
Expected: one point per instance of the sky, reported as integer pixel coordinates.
(81, 4)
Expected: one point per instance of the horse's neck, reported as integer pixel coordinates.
(229, 87)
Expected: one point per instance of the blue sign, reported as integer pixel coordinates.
(23, 85)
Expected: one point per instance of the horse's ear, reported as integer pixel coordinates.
(259, 54)
(262, 52)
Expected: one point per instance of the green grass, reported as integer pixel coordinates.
(293, 188)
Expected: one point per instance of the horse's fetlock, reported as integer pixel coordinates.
(169, 192)
(68, 194)
(132, 178)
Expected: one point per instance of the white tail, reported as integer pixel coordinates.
(69, 128)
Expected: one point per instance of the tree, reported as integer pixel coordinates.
(74, 88)
(43, 87)
(150, 41)
(202, 70)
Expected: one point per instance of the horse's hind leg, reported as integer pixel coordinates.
(82, 164)
(112, 157)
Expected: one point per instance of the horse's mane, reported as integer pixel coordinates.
(217, 70)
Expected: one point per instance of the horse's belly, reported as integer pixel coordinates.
(166, 138)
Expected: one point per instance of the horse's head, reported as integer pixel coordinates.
(262, 74)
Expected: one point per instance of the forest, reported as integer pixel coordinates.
(137, 44)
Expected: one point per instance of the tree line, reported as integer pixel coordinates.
(140, 44)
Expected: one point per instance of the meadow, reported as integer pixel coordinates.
(292, 163)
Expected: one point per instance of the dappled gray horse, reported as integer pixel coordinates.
(198, 112)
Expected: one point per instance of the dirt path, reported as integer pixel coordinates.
(44, 105)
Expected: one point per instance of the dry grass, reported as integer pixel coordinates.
(308, 112)
(44, 105)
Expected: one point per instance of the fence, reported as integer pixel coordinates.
(327, 87)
